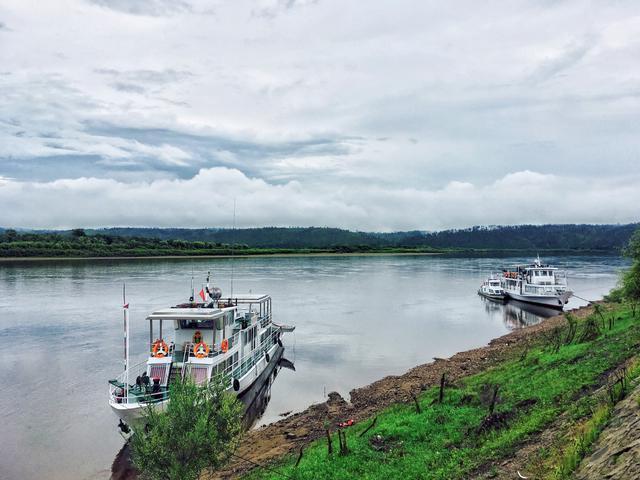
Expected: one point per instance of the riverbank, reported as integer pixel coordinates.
(527, 411)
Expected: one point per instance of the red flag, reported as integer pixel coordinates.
(126, 305)
(202, 296)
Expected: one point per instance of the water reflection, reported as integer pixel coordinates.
(520, 314)
(516, 314)
(257, 397)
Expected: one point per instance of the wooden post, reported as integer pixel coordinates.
(441, 395)
(493, 400)
(415, 399)
(344, 449)
(329, 445)
(369, 427)
(299, 456)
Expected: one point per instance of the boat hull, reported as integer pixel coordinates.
(492, 296)
(552, 301)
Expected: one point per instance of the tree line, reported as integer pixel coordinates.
(118, 242)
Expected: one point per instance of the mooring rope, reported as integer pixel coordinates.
(577, 296)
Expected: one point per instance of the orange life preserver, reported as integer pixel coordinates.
(224, 346)
(160, 349)
(201, 350)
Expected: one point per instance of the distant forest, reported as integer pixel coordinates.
(520, 237)
(141, 242)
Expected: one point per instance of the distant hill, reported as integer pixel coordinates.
(606, 238)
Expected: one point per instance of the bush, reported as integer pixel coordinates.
(629, 288)
(199, 429)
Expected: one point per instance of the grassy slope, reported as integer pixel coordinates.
(443, 442)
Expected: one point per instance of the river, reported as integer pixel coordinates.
(357, 318)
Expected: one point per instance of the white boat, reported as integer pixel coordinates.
(492, 289)
(537, 283)
(233, 337)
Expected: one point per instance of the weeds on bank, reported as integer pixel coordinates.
(615, 390)
(484, 417)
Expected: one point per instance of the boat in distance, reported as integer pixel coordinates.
(492, 289)
(536, 283)
(232, 337)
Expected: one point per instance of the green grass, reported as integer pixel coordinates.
(444, 441)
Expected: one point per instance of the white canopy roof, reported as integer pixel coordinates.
(185, 314)
(248, 297)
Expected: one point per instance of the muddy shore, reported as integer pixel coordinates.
(267, 444)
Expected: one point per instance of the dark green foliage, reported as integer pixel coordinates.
(141, 242)
(629, 287)
(599, 310)
(631, 278)
(590, 329)
(199, 429)
(531, 237)
(572, 328)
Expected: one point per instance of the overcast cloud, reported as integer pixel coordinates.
(364, 115)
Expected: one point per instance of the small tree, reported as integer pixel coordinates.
(629, 286)
(199, 429)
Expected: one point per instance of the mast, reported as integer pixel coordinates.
(125, 308)
(233, 239)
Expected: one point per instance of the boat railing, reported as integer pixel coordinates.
(249, 362)
(265, 320)
(119, 393)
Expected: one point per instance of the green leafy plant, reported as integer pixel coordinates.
(199, 429)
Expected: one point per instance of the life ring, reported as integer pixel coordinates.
(160, 349)
(201, 350)
(224, 346)
(236, 384)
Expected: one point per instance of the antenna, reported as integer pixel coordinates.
(233, 240)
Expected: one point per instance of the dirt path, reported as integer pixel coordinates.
(267, 444)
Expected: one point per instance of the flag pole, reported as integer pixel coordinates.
(125, 308)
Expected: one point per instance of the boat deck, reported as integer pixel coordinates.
(141, 394)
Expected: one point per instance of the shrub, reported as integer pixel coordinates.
(199, 429)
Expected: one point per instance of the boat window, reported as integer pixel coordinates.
(195, 323)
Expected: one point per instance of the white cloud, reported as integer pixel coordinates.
(304, 91)
(207, 200)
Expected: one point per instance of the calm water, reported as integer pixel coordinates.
(358, 319)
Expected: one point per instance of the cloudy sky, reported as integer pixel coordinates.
(372, 115)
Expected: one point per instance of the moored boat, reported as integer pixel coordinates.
(537, 283)
(492, 289)
(233, 337)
